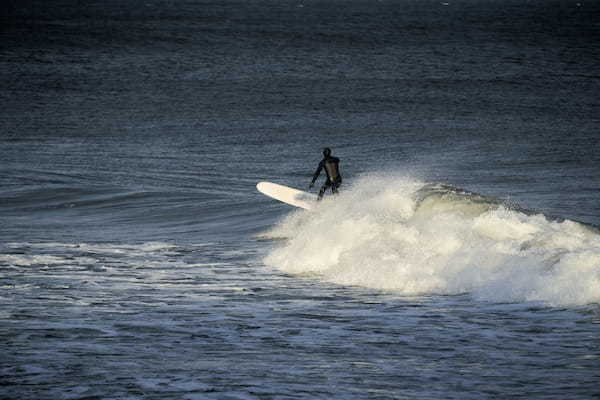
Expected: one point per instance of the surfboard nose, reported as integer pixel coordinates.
(288, 195)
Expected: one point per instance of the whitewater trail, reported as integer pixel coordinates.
(402, 235)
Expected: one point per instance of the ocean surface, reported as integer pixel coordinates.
(461, 259)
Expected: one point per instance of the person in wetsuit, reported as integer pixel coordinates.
(332, 169)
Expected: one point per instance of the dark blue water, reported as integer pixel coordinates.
(461, 260)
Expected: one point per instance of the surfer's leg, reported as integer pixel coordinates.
(334, 187)
(325, 186)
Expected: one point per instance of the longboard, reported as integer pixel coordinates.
(288, 195)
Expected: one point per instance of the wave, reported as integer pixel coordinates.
(56, 197)
(413, 238)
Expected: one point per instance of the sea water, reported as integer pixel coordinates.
(460, 260)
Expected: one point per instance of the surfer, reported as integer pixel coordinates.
(332, 169)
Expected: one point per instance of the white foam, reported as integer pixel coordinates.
(378, 234)
(26, 261)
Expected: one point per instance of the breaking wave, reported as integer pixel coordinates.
(413, 238)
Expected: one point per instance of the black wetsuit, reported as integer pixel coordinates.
(332, 169)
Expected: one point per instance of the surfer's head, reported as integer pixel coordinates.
(326, 151)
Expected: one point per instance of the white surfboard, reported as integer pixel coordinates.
(288, 195)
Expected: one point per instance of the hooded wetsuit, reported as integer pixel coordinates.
(332, 169)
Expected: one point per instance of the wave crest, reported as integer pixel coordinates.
(398, 234)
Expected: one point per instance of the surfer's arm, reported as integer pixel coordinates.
(316, 174)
